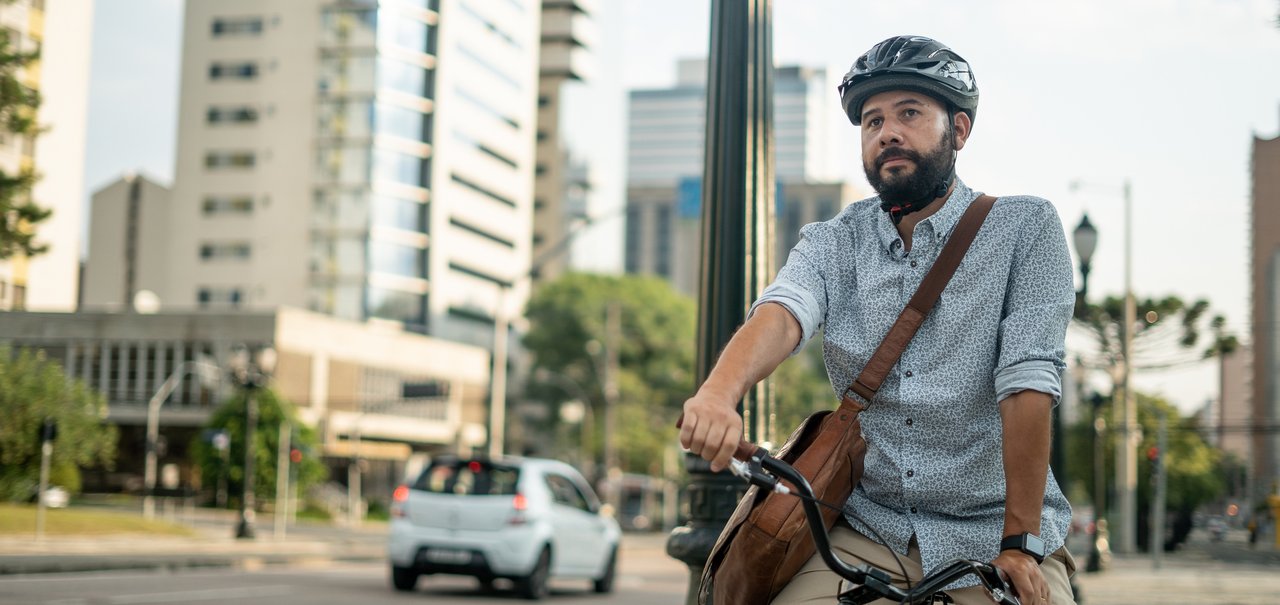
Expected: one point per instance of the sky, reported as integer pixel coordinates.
(1166, 94)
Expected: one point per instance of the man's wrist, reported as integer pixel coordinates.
(1026, 543)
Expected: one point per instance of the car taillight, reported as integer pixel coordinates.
(400, 502)
(520, 504)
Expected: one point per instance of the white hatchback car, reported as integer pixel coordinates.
(523, 519)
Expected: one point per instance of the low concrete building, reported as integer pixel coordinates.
(393, 392)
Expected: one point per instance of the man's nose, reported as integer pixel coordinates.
(889, 135)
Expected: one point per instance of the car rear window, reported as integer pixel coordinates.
(468, 478)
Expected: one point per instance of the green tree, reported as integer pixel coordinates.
(1169, 333)
(272, 410)
(1196, 473)
(18, 105)
(801, 387)
(655, 358)
(33, 389)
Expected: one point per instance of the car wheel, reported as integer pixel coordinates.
(604, 584)
(535, 586)
(403, 578)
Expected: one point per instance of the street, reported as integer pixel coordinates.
(342, 584)
(646, 575)
(1201, 573)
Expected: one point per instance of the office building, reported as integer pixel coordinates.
(1265, 314)
(369, 161)
(61, 30)
(665, 169)
(345, 379)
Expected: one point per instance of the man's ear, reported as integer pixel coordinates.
(961, 126)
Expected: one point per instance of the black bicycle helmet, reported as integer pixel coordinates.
(912, 63)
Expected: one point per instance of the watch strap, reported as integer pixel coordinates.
(1020, 543)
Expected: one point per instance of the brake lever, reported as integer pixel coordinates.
(1004, 592)
(755, 475)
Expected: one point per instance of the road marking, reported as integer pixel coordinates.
(186, 596)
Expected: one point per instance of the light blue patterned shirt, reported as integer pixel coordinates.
(934, 467)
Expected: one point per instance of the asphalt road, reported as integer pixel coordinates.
(341, 584)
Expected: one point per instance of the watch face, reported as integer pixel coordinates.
(1034, 544)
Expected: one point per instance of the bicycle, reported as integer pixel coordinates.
(863, 583)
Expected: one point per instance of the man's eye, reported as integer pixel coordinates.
(875, 122)
(910, 113)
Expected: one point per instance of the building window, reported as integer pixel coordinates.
(401, 168)
(244, 70)
(408, 307)
(633, 237)
(237, 26)
(397, 259)
(664, 226)
(243, 114)
(218, 296)
(241, 204)
(224, 251)
(215, 160)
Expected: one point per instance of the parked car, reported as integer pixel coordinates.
(523, 519)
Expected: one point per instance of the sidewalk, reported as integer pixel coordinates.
(1200, 573)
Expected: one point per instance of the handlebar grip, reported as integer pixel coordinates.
(745, 448)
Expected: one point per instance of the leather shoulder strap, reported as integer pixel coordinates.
(895, 342)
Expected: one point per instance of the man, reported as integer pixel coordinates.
(957, 462)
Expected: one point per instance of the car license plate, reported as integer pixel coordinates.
(448, 556)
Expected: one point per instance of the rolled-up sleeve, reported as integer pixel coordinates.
(801, 283)
(1038, 306)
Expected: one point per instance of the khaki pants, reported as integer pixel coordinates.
(818, 584)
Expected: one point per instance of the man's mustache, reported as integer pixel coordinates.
(894, 153)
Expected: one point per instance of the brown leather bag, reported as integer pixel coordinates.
(767, 539)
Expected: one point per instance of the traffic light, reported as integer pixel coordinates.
(1153, 454)
(295, 456)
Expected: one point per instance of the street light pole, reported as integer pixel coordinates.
(737, 205)
(1126, 456)
(251, 374)
(208, 374)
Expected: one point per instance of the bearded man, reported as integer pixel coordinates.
(958, 437)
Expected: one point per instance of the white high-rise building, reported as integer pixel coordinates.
(667, 126)
(62, 30)
(665, 156)
(367, 160)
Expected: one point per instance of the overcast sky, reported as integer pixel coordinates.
(1166, 93)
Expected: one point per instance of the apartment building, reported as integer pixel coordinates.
(61, 30)
(128, 220)
(560, 182)
(365, 160)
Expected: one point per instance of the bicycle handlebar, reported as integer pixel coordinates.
(754, 464)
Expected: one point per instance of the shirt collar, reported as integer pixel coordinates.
(941, 222)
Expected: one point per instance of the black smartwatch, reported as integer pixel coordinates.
(1028, 543)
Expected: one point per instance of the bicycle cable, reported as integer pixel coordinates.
(896, 558)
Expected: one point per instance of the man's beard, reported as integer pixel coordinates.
(915, 190)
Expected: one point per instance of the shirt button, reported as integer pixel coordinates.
(913, 510)
(913, 263)
(910, 422)
(911, 473)
(909, 374)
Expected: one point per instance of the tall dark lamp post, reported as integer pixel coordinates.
(251, 372)
(1085, 237)
(737, 202)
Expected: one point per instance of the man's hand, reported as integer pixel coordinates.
(711, 428)
(1024, 573)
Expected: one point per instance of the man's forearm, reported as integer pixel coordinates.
(1027, 434)
(754, 352)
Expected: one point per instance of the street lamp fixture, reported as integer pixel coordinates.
(208, 373)
(1085, 237)
(251, 372)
